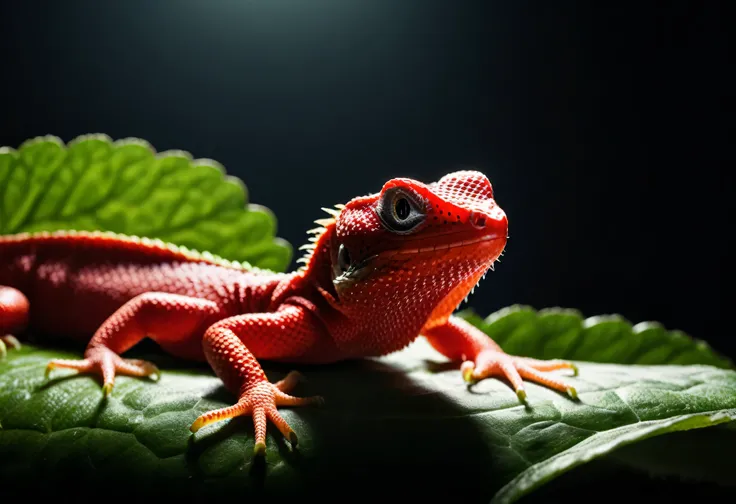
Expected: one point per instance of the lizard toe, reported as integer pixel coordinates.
(108, 364)
(492, 363)
(261, 401)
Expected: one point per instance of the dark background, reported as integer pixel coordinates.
(601, 127)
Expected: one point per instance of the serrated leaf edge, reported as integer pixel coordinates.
(594, 320)
(195, 255)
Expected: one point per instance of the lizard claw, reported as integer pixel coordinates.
(490, 362)
(104, 361)
(261, 401)
(8, 342)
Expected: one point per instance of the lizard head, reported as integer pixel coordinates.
(415, 246)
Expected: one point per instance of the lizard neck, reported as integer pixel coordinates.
(376, 320)
(312, 281)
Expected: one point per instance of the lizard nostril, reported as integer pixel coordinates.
(478, 220)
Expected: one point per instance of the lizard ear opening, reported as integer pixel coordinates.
(343, 259)
(400, 210)
(347, 270)
(341, 262)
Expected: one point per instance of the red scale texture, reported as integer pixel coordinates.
(389, 267)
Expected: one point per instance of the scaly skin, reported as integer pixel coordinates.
(382, 270)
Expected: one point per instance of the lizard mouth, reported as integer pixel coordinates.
(438, 247)
(492, 245)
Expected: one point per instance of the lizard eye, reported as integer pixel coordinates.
(400, 210)
(343, 258)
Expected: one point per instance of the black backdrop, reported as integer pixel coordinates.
(600, 127)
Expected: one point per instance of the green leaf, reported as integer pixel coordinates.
(406, 419)
(561, 333)
(125, 187)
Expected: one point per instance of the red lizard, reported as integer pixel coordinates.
(379, 272)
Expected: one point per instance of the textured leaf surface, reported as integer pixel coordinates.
(125, 187)
(405, 420)
(560, 333)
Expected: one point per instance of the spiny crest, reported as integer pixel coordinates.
(316, 234)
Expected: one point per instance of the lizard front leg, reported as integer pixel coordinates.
(483, 358)
(165, 317)
(290, 326)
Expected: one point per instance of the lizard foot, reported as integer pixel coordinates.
(8, 342)
(494, 363)
(260, 401)
(104, 361)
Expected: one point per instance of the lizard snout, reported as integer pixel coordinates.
(493, 220)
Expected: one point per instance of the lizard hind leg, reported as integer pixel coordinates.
(166, 317)
(14, 309)
(108, 364)
(239, 370)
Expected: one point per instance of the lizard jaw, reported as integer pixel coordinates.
(370, 265)
(443, 246)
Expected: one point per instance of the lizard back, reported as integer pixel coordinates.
(75, 280)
